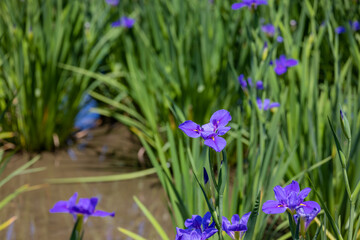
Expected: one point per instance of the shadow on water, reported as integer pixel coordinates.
(104, 153)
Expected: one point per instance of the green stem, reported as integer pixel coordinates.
(351, 219)
(347, 185)
(348, 150)
(356, 192)
(77, 232)
(212, 171)
(220, 215)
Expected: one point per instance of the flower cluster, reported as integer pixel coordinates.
(211, 131)
(291, 199)
(85, 207)
(244, 83)
(354, 25)
(265, 104)
(270, 31)
(197, 228)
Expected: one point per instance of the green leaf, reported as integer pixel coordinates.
(131, 234)
(327, 212)
(108, 178)
(152, 219)
(252, 219)
(7, 223)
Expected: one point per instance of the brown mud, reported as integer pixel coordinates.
(106, 152)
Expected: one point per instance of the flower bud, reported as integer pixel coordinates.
(206, 177)
(345, 125)
(342, 159)
(265, 51)
(207, 184)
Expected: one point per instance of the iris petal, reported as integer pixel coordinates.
(223, 130)
(216, 143)
(208, 233)
(72, 200)
(191, 129)
(292, 187)
(266, 104)
(280, 69)
(310, 206)
(206, 220)
(237, 6)
(99, 213)
(274, 105)
(60, 207)
(304, 193)
(293, 200)
(291, 62)
(245, 218)
(273, 207)
(280, 194)
(209, 127)
(235, 219)
(220, 118)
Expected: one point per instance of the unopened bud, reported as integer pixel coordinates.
(345, 125)
(206, 177)
(207, 184)
(342, 159)
(265, 51)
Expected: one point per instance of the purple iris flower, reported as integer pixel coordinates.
(282, 64)
(198, 228)
(307, 214)
(112, 2)
(124, 22)
(355, 25)
(279, 39)
(237, 225)
(268, 29)
(210, 132)
(85, 206)
(248, 3)
(243, 83)
(289, 197)
(340, 30)
(266, 104)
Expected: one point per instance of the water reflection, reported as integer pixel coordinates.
(104, 154)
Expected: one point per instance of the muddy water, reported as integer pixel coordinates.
(103, 152)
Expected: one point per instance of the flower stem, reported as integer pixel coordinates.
(77, 232)
(220, 215)
(348, 150)
(351, 219)
(212, 171)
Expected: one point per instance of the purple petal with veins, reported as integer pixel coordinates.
(216, 143)
(191, 129)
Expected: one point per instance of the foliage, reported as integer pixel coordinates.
(183, 59)
(35, 37)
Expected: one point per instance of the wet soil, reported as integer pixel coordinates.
(101, 152)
